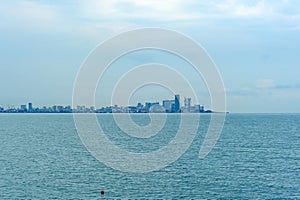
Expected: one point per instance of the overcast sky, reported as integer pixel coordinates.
(254, 44)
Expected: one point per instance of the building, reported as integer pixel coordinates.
(59, 108)
(201, 108)
(168, 104)
(30, 108)
(157, 109)
(148, 105)
(139, 107)
(177, 103)
(23, 108)
(132, 109)
(197, 109)
(187, 104)
(92, 108)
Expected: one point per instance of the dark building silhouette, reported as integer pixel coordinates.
(177, 103)
(30, 106)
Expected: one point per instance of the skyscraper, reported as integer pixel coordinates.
(187, 104)
(177, 103)
(30, 106)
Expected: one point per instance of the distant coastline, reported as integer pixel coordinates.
(167, 106)
(103, 110)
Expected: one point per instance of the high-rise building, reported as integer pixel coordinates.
(30, 106)
(177, 103)
(187, 104)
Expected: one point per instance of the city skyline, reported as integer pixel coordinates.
(167, 105)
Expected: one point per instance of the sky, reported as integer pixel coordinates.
(254, 44)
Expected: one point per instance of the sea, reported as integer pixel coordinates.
(257, 156)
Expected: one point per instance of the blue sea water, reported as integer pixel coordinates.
(257, 157)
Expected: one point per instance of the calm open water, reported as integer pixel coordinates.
(256, 157)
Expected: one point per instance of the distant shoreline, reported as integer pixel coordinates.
(231, 113)
(59, 113)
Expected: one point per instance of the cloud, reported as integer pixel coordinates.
(168, 10)
(191, 13)
(188, 10)
(125, 10)
(270, 84)
(288, 86)
(29, 14)
(54, 18)
(232, 8)
(262, 86)
(243, 92)
(116, 15)
(265, 83)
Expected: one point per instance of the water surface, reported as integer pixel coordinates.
(257, 156)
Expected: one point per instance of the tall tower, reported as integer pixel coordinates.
(29, 106)
(177, 103)
(187, 104)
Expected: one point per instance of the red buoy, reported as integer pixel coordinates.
(102, 192)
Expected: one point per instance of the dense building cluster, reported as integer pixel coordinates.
(168, 106)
